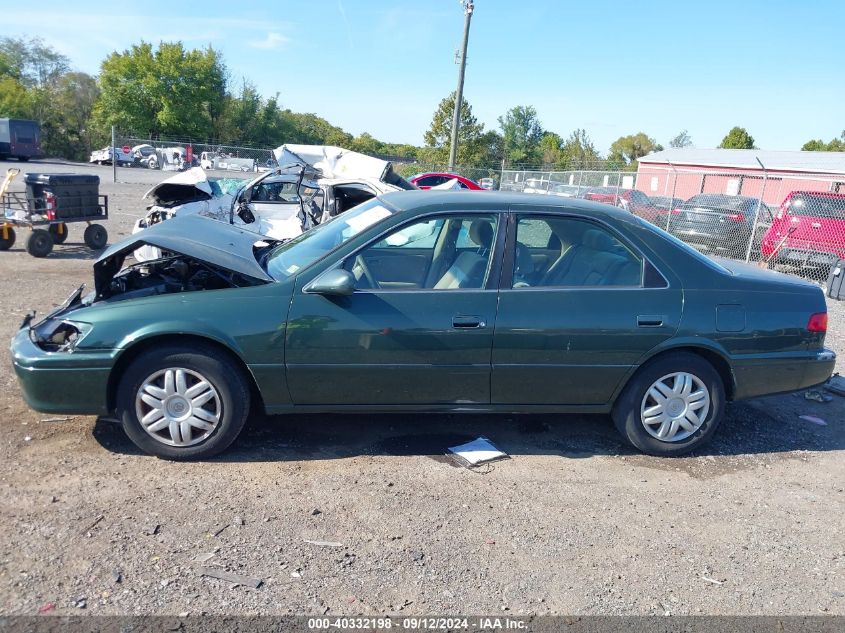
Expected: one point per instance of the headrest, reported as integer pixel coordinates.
(481, 232)
(597, 240)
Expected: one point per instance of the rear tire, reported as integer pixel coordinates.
(693, 405)
(205, 424)
(95, 237)
(58, 237)
(39, 243)
(8, 242)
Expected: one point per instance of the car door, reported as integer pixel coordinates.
(417, 330)
(569, 334)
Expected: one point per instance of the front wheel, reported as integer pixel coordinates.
(39, 243)
(671, 406)
(183, 403)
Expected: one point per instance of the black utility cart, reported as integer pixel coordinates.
(50, 203)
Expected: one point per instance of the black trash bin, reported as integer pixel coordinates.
(65, 197)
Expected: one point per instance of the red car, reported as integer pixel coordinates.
(427, 181)
(631, 200)
(808, 230)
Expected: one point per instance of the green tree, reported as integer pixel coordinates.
(167, 91)
(35, 64)
(15, 100)
(818, 145)
(66, 126)
(579, 152)
(438, 137)
(521, 134)
(550, 148)
(627, 150)
(681, 140)
(737, 138)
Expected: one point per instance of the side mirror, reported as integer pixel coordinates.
(335, 282)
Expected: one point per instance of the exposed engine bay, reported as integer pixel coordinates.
(174, 273)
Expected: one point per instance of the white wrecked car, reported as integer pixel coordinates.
(312, 184)
(188, 192)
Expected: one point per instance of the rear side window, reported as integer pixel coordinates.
(589, 255)
(829, 207)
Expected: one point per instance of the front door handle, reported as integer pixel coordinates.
(649, 320)
(816, 225)
(467, 322)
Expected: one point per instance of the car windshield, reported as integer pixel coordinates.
(830, 207)
(294, 255)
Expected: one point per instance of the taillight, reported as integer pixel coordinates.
(736, 217)
(817, 322)
(50, 205)
(676, 212)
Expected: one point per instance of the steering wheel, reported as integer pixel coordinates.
(359, 261)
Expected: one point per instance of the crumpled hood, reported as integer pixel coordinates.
(335, 163)
(184, 186)
(202, 238)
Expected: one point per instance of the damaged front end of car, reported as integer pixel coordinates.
(198, 256)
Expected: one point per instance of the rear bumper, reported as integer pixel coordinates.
(61, 382)
(767, 374)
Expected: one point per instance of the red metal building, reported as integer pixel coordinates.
(685, 172)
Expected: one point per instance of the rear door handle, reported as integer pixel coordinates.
(467, 322)
(816, 225)
(649, 320)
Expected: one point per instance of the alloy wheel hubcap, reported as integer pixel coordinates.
(675, 406)
(178, 406)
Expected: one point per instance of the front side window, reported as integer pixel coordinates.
(448, 252)
(567, 252)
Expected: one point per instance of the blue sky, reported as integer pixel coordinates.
(613, 68)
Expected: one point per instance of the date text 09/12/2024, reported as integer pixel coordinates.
(418, 623)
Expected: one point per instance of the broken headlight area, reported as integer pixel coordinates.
(175, 273)
(154, 217)
(58, 335)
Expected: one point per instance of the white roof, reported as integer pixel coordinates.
(810, 162)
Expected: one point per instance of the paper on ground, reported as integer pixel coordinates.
(478, 451)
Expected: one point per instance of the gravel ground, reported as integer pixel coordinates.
(575, 522)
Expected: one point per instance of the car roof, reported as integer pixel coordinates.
(496, 201)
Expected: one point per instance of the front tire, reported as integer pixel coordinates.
(671, 406)
(39, 243)
(183, 403)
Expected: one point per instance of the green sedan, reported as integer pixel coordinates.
(423, 301)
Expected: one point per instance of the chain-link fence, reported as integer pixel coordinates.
(175, 155)
(789, 221)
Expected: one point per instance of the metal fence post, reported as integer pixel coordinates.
(113, 156)
(672, 200)
(757, 210)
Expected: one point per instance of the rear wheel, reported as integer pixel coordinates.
(671, 406)
(183, 403)
(58, 232)
(7, 238)
(95, 236)
(39, 243)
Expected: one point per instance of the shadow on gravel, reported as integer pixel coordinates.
(747, 430)
(68, 250)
